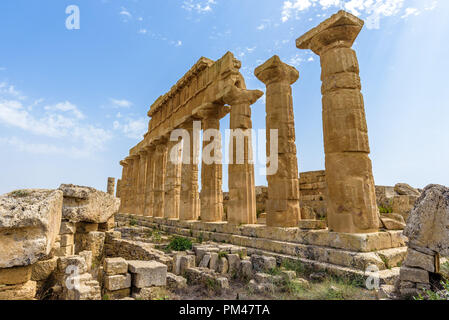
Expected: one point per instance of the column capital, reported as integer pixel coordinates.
(213, 110)
(234, 95)
(124, 163)
(340, 30)
(274, 70)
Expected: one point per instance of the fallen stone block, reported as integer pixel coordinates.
(414, 275)
(176, 282)
(148, 273)
(420, 260)
(29, 224)
(15, 275)
(25, 291)
(85, 204)
(115, 266)
(42, 270)
(263, 263)
(117, 282)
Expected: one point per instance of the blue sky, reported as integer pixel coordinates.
(73, 102)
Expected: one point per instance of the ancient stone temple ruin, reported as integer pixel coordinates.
(159, 184)
(161, 231)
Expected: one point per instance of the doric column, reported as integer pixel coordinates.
(159, 178)
(141, 182)
(123, 184)
(190, 199)
(118, 189)
(111, 186)
(211, 167)
(242, 194)
(283, 186)
(133, 209)
(173, 180)
(149, 181)
(128, 185)
(352, 200)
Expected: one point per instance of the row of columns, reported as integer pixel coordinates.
(153, 186)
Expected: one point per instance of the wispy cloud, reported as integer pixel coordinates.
(410, 12)
(61, 123)
(199, 6)
(132, 128)
(372, 9)
(117, 103)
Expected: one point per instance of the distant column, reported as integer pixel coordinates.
(173, 181)
(159, 179)
(352, 199)
(149, 181)
(283, 186)
(135, 185)
(123, 191)
(242, 194)
(190, 200)
(211, 169)
(118, 189)
(111, 186)
(141, 182)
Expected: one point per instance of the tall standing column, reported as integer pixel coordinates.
(190, 199)
(141, 182)
(159, 179)
(352, 199)
(125, 165)
(283, 186)
(134, 184)
(128, 185)
(173, 181)
(211, 167)
(149, 181)
(241, 183)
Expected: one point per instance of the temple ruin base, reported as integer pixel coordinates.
(335, 253)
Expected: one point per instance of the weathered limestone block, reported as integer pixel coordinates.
(234, 263)
(223, 265)
(88, 257)
(85, 204)
(176, 282)
(428, 223)
(246, 269)
(25, 291)
(283, 183)
(117, 294)
(404, 189)
(29, 224)
(392, 224)
(67, 227)
(186, 262)
(351, 199)
(148, 273)
(117, 282)
(263, 263)
(151, 293)
(86, 227)
(92, 241)
(213, 263)
(115, 266)
(42, 270)
(204, 263)
(15, 275)
(414, 275)
(420, 260)
(108, 225)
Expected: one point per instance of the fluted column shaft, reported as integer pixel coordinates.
(211, 173)
(351, 200)
(159, 179)
(141, 183)
(149, 181)
(190, 200)
(241, 182)
(173, 181)
(283, 186)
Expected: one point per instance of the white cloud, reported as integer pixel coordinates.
(117, 103)
(143, 31)
(199, 6)
(9, 90)
(410, 12)
(367, 8)
(125, 13)
(61, 122)
(295, 60)
(66, 106)
(132, 128)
